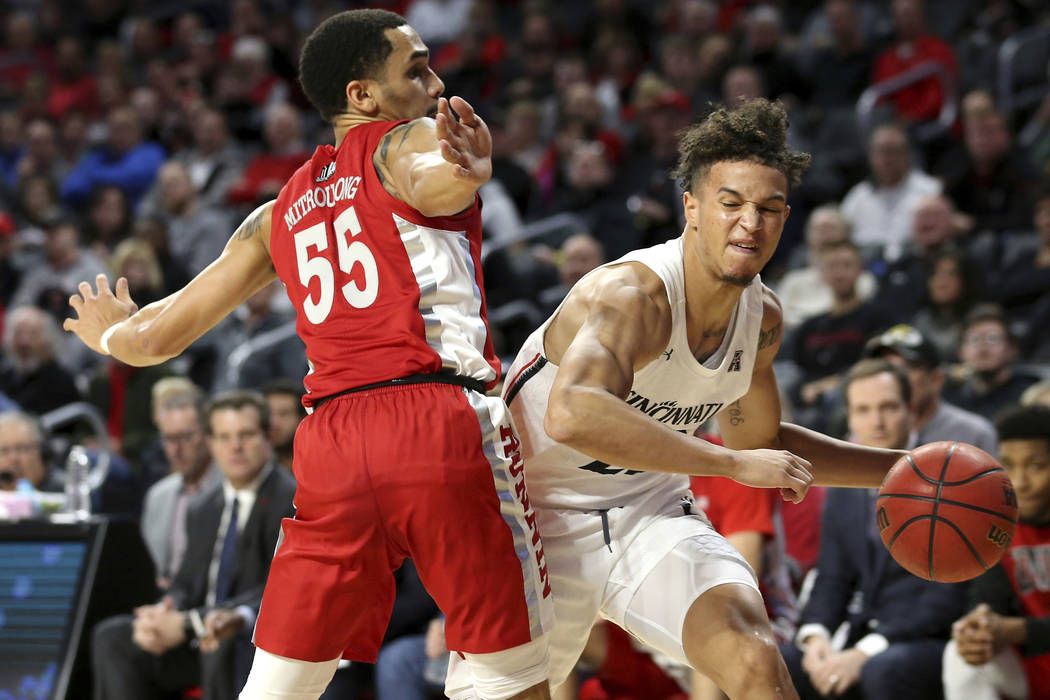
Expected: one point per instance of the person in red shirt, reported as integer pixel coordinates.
(378, 241)
(914, 45)
(1002, 646)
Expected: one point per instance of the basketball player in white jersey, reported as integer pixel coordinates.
(607, 394)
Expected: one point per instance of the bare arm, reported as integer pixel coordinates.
(437, 165)
(754, 421)
(612, 325)
(165, 328)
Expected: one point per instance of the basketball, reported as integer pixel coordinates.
(946, 511)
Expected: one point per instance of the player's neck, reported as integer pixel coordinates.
(343, 123)
(709, 302)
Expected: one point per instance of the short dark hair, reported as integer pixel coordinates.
(755, 131)
(236, 400)
(1024, 423)
(877, 365)
(988, 312)
(286, 387)
(347, 46)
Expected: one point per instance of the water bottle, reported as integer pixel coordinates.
(78, 490)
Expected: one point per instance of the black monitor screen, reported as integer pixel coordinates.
(39, 590)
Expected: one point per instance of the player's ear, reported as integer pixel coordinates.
(691, 206)
(361, 96)
(787, 212)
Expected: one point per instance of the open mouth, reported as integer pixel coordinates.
(745, 247)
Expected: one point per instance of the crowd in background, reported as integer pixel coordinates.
(135, 136)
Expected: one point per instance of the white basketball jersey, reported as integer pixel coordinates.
(674, 389)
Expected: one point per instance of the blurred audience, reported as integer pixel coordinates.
(285, 400)
(30, 374)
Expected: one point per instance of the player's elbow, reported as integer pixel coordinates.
(563, 421)
(148, 346)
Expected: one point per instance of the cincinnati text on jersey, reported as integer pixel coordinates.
(670, 412)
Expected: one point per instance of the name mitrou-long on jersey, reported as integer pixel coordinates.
(380, 291)
(674, 389)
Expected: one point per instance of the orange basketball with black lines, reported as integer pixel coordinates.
(947, 511)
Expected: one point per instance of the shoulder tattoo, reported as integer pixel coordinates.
(252, 225)
(769, 337)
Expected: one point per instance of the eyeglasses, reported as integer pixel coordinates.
(180, 438)
(989, 339)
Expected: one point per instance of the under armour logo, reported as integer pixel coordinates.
(326, 172)
(667, 355)
(734, 365)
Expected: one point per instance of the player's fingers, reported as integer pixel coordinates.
(102, 283)
(803, 466)
(77, 303)
(466, 113)
(451, 154)
(86, 291)
(121, 290)
(69, 325)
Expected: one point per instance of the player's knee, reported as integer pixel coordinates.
(511, 672)
(279, 678)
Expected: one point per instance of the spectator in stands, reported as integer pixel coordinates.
(898, 623)
(764, 48)
(954, 285)
(802, 291)
(882, 209)
(108, 220)
(933, 418)
(23, 454)
(988, 352)
(178, 411)
(827, 344)
(121, 393)
(72, 86)
(284, 397)
(135, 261)
(41, 154)
(246, 87)
(125, 160)
(241, 367)
(266, 172)
(1001, 648)
(153, 230)
(29, 371)
(214, 162)
(840, 70)
(1023, 278)
(66, 263)
(196, 234)
(10, 274)
(913, 45)
(37, 204)
(579, 254)
(933, 226)
(198, 634)
(989, 178)
(742, 83)
(22, 55)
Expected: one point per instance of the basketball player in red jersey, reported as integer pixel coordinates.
(378, 243)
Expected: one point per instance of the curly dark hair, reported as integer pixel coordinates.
(347, 46)
(1023, 423)
(755, 131)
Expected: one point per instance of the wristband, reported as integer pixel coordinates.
(103, 342)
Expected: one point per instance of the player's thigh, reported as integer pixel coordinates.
(469, 526)
(655, 604)
(330, 588)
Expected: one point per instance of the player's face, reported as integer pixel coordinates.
(238, 444)
(878, 415)
(1028, 464)
(409, 89)
(738, 213)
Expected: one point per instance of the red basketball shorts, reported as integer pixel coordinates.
(427, 471)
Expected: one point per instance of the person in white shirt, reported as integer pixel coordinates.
(881, 208)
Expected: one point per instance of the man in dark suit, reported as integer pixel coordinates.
(199, 634)
(898, 624)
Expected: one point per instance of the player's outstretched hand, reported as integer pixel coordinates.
(98, 310)
(774, 469)
(466, 143)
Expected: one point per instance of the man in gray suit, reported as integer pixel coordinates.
(179, 415)
(199, 634)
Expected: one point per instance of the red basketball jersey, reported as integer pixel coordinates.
(1027, 563)
(380, 291)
